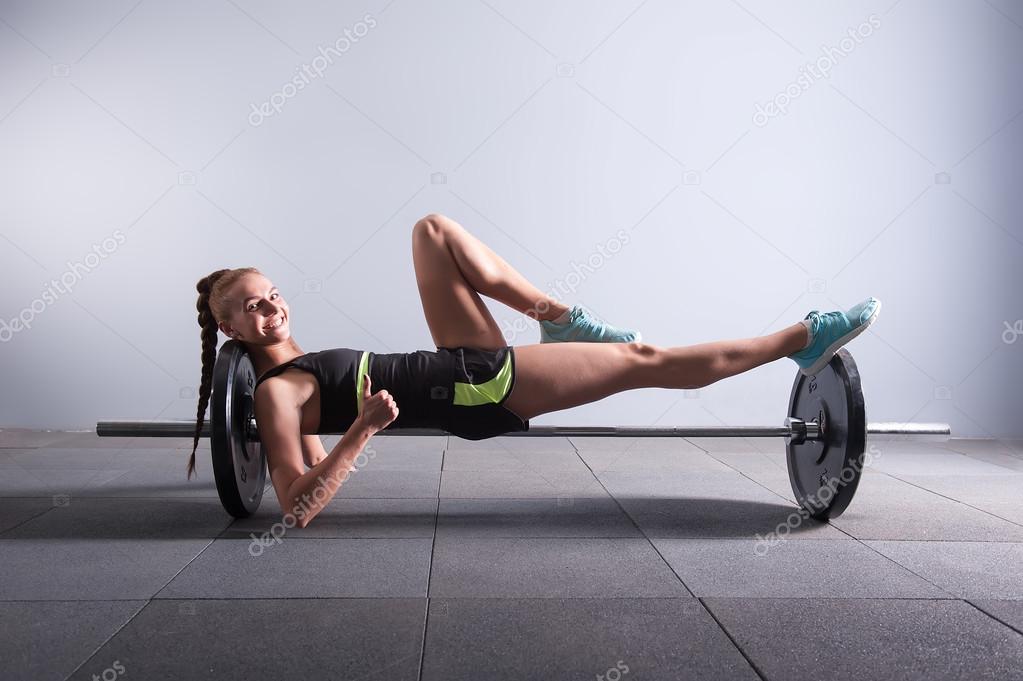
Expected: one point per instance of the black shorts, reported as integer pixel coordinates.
(483, 379)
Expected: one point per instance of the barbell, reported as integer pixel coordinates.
(825, 430)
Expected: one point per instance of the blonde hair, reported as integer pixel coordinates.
(213, 306)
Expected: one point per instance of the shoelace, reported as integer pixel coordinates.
(583, 322)
(817, 319)
(593, 325)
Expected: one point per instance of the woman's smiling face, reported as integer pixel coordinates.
(259, 313)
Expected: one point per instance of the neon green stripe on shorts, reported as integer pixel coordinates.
(490, 392)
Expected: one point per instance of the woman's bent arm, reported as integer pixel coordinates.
(314, 489)
(301, 493)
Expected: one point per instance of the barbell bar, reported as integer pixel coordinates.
(825, 432)
(793, 429)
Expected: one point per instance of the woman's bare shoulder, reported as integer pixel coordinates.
(290, 383)
(290, 389)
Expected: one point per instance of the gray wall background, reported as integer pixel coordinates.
(134, 161)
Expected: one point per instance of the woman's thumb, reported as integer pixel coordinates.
(365, 387)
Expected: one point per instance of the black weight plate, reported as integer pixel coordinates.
(239, 465)
(824, 473)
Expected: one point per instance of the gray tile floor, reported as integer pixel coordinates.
(513, 559)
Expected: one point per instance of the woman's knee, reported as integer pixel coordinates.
(656, 367)
(646, 359)
(432, 224)
(644, 351)
(428, 227)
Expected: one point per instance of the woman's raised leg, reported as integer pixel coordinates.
(491, 275)
(555, 376)
(452, 268)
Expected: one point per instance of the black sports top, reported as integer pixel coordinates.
(421, 383)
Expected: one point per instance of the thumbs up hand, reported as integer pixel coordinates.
(378, 410)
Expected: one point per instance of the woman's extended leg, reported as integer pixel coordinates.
(551, 377)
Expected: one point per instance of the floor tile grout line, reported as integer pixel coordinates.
(871, 548)
(894, 477)
(716, 538)
(1018, 630)
(786, 499)
(170, 599)
(227, 528)
(749, 661)
(183, 568)
(907, 569)
(109, 638)
(72, 600)
(433, 550)
(26, 520)
(634, 523)
(976, 456)
(765, 457)
(958, 501)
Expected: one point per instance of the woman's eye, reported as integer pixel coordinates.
(254, 306)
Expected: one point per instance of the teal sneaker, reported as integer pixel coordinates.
(831, 330)
(583, 327)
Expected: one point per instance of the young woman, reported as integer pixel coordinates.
(474, 385)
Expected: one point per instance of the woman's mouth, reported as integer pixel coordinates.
(275, 324)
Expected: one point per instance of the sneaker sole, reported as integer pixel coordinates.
(826, 356)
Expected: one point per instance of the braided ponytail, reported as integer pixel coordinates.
(212, 289)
